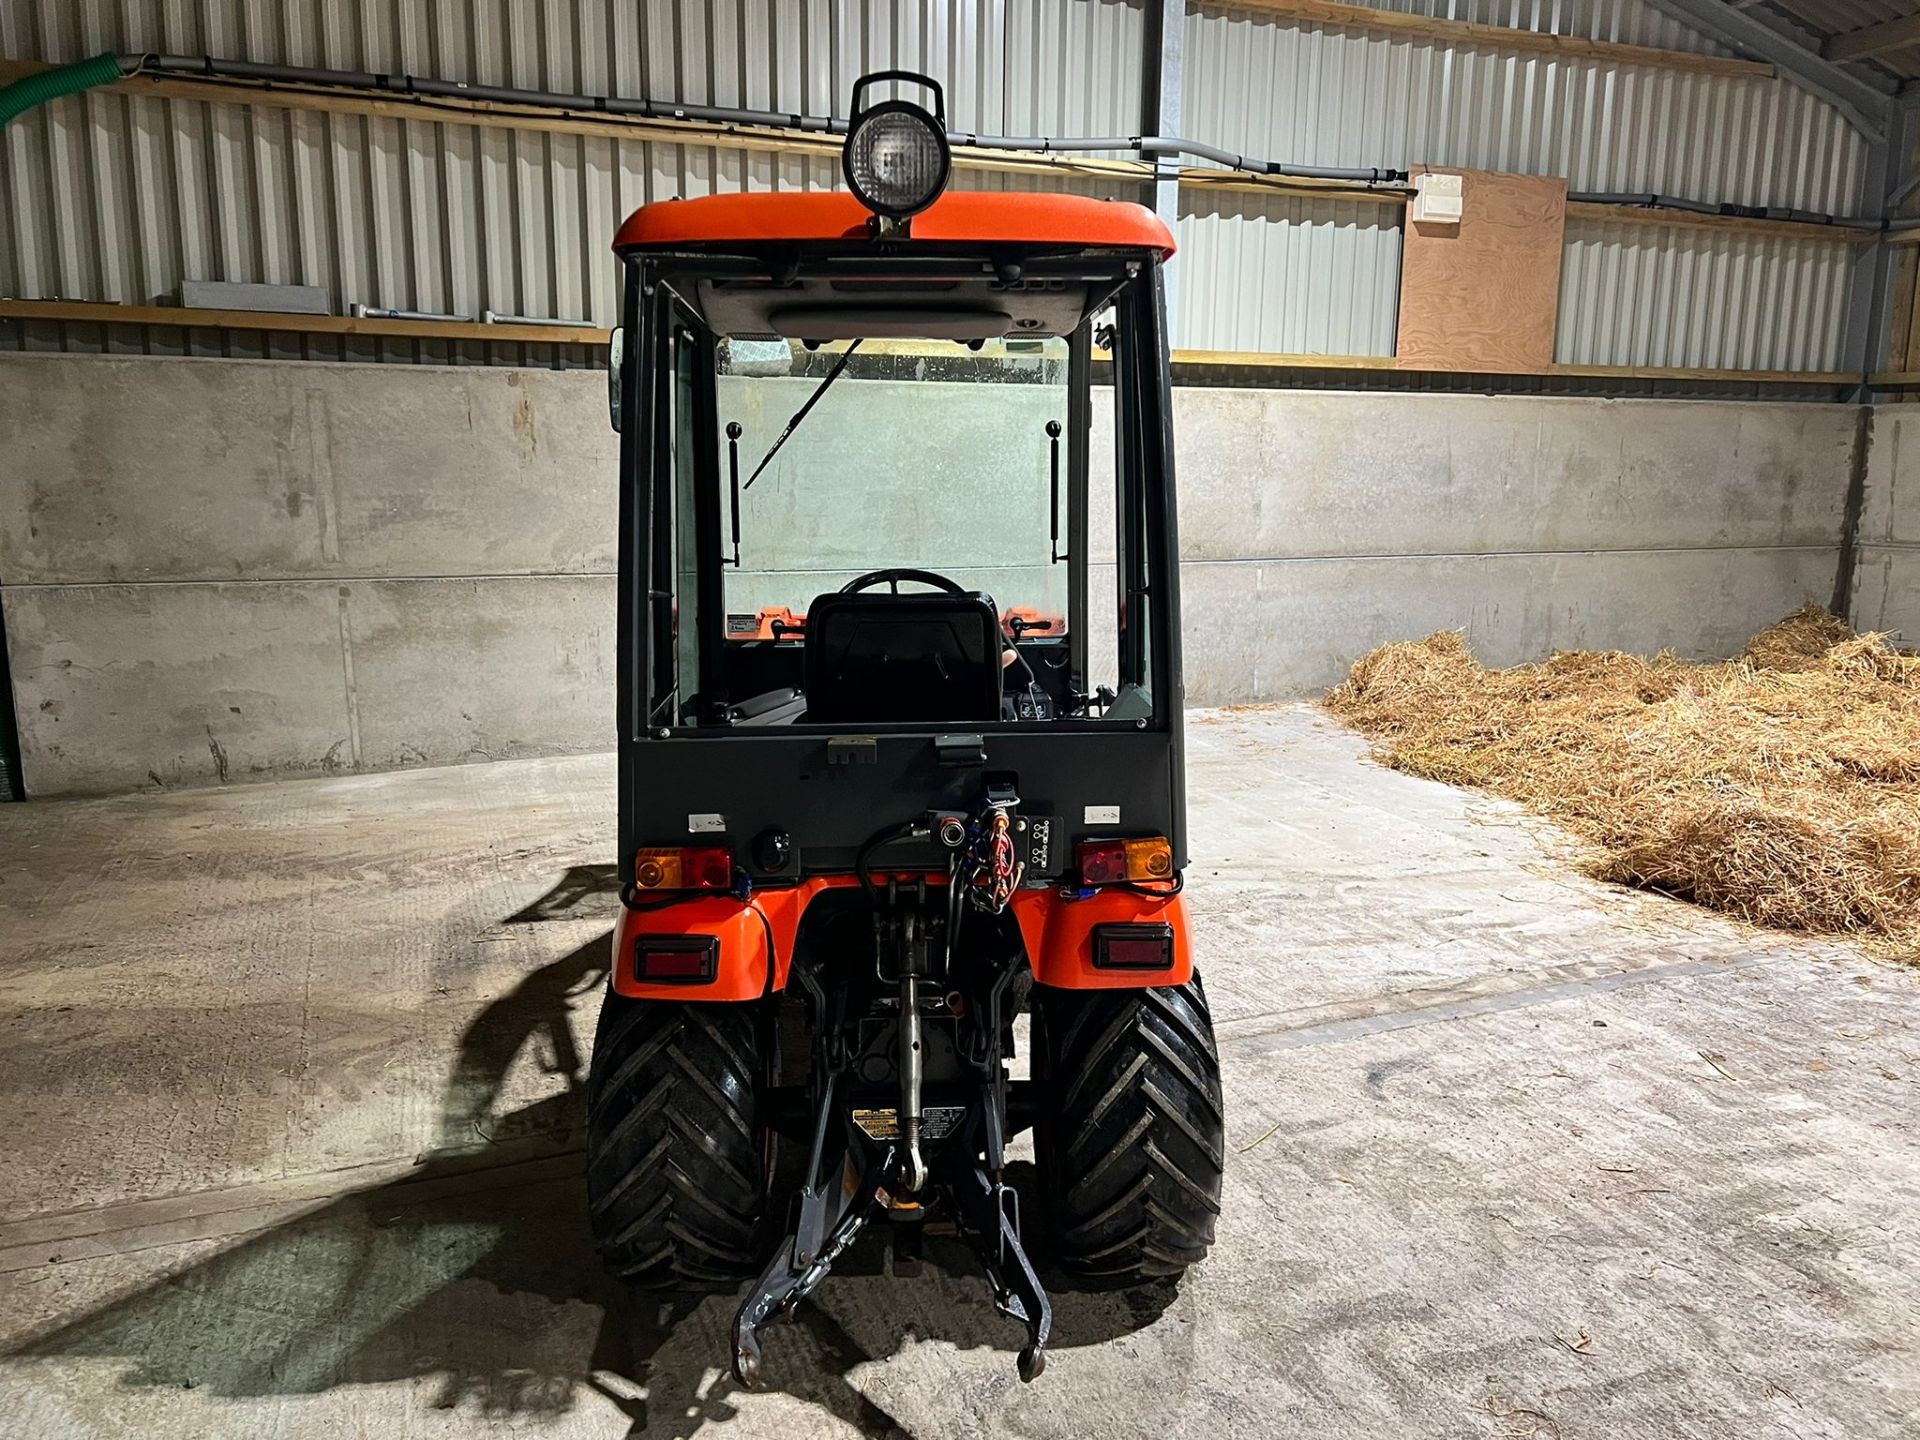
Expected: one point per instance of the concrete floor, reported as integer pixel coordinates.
(291, 1077)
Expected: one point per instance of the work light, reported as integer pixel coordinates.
(896, 158)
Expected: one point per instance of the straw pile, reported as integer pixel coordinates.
(1782, 786)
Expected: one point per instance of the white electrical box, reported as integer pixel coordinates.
(1437, 199)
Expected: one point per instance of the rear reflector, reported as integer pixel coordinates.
(676, 959)
(1133, 947)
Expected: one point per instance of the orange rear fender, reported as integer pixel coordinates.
(1058, 933)
(744, 929)
(1059, 936)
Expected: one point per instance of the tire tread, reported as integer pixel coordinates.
(674, 1167)
(1133, 1146)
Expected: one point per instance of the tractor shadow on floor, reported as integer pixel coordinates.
(472, 1278)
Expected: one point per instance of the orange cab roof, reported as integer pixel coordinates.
(962, 216)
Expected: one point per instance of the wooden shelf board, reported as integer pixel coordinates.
(1469, 34)
(94, 312)
(1384, 363)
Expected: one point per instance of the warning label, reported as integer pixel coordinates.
(937, 1122)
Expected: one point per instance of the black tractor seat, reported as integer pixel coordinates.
(881, 658)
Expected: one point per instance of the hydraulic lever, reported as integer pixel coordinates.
(912, 1068)
(907, 933)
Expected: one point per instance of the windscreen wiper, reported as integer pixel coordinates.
(801, 413)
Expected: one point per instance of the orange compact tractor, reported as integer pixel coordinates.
(900, 741)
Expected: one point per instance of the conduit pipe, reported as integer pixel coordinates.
(37, 89)
(102, 69)
(421, 86)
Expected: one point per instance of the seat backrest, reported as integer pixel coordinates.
(877, 657)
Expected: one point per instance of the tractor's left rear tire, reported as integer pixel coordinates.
(1131, 1137)
(676, 1161)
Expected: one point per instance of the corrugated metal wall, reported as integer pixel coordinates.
(1635, 295)
(117, 198)
(1265, 85)
(1288, 275)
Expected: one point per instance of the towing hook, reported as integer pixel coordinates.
(916, 1166)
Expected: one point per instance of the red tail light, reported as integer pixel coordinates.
(709, 870)
(706, 868)
(1102, 862)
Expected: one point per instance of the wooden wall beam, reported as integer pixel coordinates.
(1873, 40)
(92, 312)
(87, 312)
(1724, 224)
(1472, 35)
(488, 115)
(1384, 364)
(1233, 182)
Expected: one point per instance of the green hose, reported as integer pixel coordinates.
(47, 85)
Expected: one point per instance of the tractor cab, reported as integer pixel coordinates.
(900, 737)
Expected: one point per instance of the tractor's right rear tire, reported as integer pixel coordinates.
(676, 1163)
(1131, 1137)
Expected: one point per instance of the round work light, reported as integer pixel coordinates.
(896, 158)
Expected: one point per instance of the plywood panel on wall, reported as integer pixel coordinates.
(1484, 295)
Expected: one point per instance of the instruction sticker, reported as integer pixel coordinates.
(1102, 815)
(937, 1122)
(706, 824)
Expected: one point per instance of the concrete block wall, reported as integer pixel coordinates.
(1886, 577)
(222, 570)
(1315, 526)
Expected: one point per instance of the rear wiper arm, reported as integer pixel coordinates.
(801, 413)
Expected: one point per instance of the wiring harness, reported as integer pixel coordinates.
(990, 865)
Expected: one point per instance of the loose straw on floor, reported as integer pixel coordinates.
(1782, 786)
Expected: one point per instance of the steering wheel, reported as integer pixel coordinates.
(892, 578)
